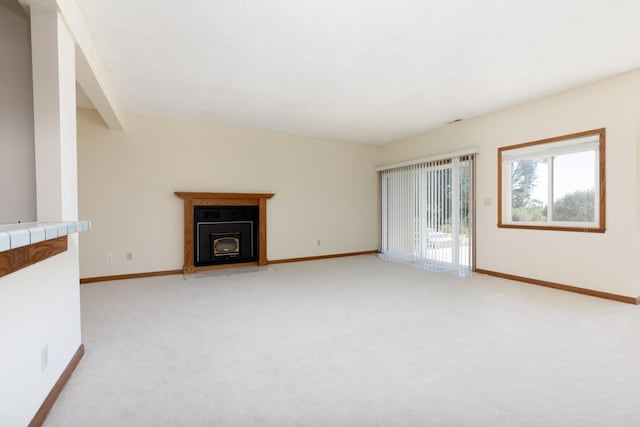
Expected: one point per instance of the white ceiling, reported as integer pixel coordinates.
(367, 71)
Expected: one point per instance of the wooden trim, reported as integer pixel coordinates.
(193, 195)
(225, 202)
(578, 290)
(500, 186)
(554, 228)
(87, 280)
(601, 228)
(599, 131)
(188, 263)
(192, 199)
(19, 258)
(217, 267)
(128, 276)
(51, 398)
(314, 258)
(262, 232)
(603, 181)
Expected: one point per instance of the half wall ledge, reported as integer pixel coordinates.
(25, 244)
(16, 235)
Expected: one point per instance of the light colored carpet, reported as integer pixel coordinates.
(351, 342)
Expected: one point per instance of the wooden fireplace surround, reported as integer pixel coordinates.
(223, 199)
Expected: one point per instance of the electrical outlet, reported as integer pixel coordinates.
(487, 201)
(44, 357)
(129, 256)
(109, 257)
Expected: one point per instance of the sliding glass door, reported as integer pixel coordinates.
(427, 214)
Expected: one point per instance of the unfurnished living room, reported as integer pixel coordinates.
(319, 213)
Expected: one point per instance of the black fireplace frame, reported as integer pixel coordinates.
(221, 221)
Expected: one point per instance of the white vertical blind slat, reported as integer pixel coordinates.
(427, 213)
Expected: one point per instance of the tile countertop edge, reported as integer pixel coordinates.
(13, 236)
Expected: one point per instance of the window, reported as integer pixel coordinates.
(427, 212)
(554, 184)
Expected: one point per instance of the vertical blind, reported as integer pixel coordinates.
(427, 213)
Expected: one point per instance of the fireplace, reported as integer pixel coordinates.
(225, 234)
(224, 230)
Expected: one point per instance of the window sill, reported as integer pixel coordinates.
(554, 228)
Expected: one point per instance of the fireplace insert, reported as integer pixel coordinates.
(225, 234)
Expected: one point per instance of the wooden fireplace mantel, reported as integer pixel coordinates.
(192, 199)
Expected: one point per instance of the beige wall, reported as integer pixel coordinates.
(605, 262)
(325, 190)
(40, 304)
(17, 177)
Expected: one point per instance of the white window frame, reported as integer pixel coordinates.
(546, 150)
